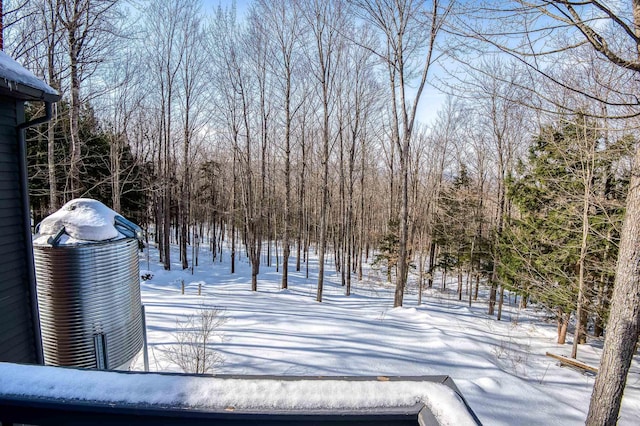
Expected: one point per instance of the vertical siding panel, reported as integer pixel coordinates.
(17, 336)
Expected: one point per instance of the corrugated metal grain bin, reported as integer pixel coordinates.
(88, 285)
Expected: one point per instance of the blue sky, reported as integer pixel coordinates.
(430, 102)
(241, 5)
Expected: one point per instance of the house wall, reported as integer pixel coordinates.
(17, 335)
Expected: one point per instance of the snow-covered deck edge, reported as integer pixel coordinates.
(44, 395)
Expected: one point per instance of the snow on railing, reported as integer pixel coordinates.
(48, 395)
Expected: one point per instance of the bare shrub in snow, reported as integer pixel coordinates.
(515, 355)
(194, 336)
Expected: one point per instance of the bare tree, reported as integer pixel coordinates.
(241, 75)
(408, 30)
(118, 107)
(194, 337)
(191, 94)
(167, 23)
(325, 18)
(53, 35)
(35, 35)
(304, 142)
(282, 26)
(358, 97)
(88, 24)
(493, 87)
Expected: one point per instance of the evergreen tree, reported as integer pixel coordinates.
(568, 195)
(95, 172)
(456, 228)
(389, 247)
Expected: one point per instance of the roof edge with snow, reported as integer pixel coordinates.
(19, 83)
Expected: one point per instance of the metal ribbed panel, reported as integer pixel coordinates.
(86, 290)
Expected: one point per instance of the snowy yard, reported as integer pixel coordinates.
(500, 367)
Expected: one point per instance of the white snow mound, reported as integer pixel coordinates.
(83, 219)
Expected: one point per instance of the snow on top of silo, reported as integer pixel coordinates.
(83, 219)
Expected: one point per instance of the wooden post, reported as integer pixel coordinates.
(182, 281)
(199, 289)
(145, 349)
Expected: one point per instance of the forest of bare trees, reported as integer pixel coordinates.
(297, 127)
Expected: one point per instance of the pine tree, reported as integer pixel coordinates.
(560, 248)
(389, 246)
(456, 228)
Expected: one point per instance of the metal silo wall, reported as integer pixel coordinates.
(89, 289)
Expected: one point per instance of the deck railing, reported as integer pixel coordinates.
(35, 410)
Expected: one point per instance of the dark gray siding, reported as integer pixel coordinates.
(17, 337)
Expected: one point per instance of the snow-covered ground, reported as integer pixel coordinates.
(500, 366)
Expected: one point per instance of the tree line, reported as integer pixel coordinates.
(295, 126)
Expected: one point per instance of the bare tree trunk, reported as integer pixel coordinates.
(232, 215)
(349, 218)
(287, 183)
(361, 237)
(624, 318)
(563, 324)
(251, 214)
(325, 199)
(301, 215)
(51, 22)
(459, 283)
(432, 263)
(403, 261)
(421, 269)
(71, 12)
(116, 188)
(500, 303)
(166, 201)
(306, 247)
(74, 111)
(492, 292)
(323, 19)
(471, 259)
(157, 210)
(191, 71)
(393, 22)
(500, 224)
(85, 22)
(477, 287)
(588, 167)
(185, 202)
(51, 165)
